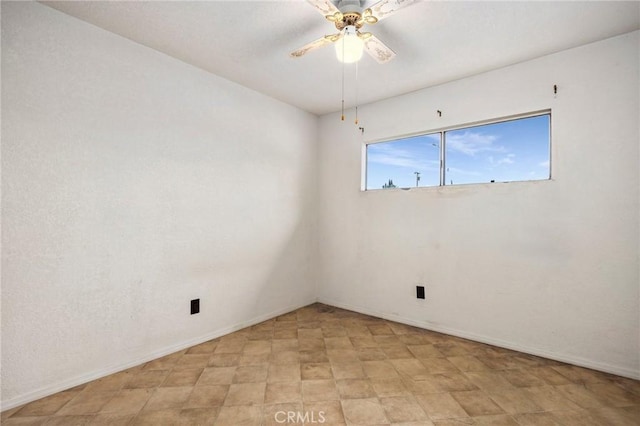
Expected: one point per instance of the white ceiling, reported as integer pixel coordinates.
(436, 41)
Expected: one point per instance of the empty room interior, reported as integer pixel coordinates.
(320, 212)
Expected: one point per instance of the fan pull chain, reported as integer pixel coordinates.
(342, 41)
(357, 102)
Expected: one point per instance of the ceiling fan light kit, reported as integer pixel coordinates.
(350, 48)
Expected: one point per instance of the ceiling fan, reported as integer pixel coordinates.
(349, 17)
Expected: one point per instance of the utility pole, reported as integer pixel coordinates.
(417, 178)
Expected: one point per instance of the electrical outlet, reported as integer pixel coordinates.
(195, 306)
(420, 291)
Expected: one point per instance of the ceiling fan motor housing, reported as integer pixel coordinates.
(349, 6)
(351, 14)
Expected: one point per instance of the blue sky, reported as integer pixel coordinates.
(507, 151)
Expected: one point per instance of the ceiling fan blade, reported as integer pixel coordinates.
(322, 41)
(385, 8)
(378, 50)
(327, 9)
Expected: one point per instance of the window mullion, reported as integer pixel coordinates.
(442, 159)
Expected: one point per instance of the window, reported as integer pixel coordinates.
(505, 151)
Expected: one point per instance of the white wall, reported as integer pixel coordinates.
(547, 267)
(131, 184)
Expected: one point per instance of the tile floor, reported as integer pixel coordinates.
(342, 368)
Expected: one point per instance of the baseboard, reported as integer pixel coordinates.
(594, 365)
(85, 378)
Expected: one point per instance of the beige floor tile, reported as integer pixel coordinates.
(379, 369)
(147, 379)
(313, 356)
(45, 406)
(495, 420)
(330, 411)
(347, 370)
(355, 388)
(172, 397)
(285, 357)
(477, 403)
(452, 382)
(311, 344)
(254, 359)
(579, 395)
(489, 381)
(580, 375)
(342, 355)
(440, 406)
(342, 342)
(403, 409)
(198, 416)
(257, 347)
(522, 378)
(112, 419)
(216, 376)
(439, 366)
(185, 377)
(283, 392)
(26, 421)
(424, 385)
(69, 420)
(380, 329)
(157, 418)
(207, 396)
(114, 382)
(246, 394)
(612, 395)
(86, 402)
(165, 363)
(334, 331)
(411, 368)
(467, 363)
(548, 398)
(283, 373)
(579, 417)
(619, 416)
(367, 411)
(385, 341)
(224, 360)
(451, 349)
(550, 376)
(425, 351)
(229, 347)
(285, 333)
(281, 345)
(370, 354)
(203, 348)
(360, 342)
(316, 371)
(537, 419)
(397, 352)
(319, 390)
(389, 387)
(310, 333)
(251, 373)
(198, 360)
(289, 413)
(515, 402)
(128, 401)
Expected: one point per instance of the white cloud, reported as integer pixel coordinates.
(470, 143)
(391, 156)
(544, 164)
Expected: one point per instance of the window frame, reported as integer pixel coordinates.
(442, 149)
